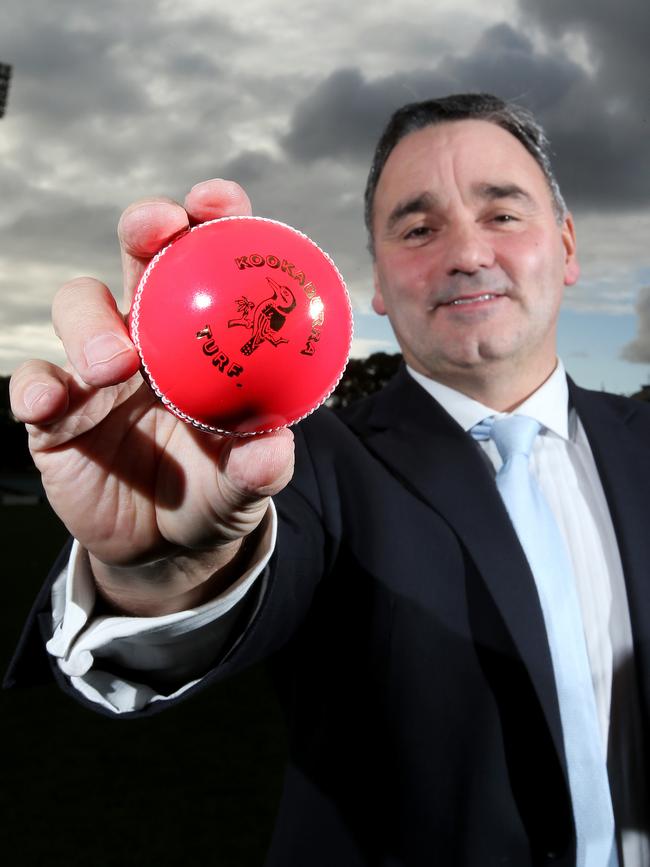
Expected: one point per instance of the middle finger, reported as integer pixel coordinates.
(144, 228)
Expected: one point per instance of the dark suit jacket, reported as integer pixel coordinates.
(408, 644)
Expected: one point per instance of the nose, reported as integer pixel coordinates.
(467, 249)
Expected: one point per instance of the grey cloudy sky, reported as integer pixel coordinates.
(113, 101)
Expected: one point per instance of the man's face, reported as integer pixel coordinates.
(470, 259)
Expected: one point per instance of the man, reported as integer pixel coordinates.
(408, 625)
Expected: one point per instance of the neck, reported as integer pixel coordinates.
(502, 393)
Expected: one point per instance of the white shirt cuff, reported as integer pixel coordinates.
(170, 648)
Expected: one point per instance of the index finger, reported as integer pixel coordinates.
(147, 226)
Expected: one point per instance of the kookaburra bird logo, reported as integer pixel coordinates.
(266, 318)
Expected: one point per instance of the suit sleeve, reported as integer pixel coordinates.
(129, 665)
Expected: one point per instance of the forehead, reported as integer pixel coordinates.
(457, 155)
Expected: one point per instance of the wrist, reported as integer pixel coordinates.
(171, 584)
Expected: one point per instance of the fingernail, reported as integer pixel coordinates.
(103, 348)
(34, 393)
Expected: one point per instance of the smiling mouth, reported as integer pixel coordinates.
(471, 299)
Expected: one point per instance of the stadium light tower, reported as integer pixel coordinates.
(5, 76)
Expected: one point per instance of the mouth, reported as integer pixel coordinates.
(473, 299)
(466, 300)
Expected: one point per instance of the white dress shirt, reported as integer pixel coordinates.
(180, 645)
(566, 472)
(175, 649)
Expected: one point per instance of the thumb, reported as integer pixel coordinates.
(255, 468)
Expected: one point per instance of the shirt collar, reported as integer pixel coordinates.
(549, 405)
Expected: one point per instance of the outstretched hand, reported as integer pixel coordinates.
(161, 507)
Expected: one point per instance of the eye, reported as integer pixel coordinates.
(504, 219)
(418, 233)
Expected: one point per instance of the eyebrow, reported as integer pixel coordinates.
(494, 192)
(416, 205)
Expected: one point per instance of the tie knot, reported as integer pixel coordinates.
(512, 435)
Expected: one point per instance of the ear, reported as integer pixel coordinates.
(377, 299)
(571, 266)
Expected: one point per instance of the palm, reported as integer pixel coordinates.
(132, 482)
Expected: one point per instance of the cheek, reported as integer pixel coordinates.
(408, 276)
(520, 252)
(531, 262)
(396, 283)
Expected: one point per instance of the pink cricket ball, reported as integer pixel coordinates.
(243, 325)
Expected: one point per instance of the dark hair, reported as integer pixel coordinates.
(462, 106)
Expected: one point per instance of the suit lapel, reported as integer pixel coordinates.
(418, 441)
(618, 431)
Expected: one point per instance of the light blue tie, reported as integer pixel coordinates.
(549, 561)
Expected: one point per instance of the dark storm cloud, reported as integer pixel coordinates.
(601, 129)
(638, 350)
(616, 33)
(504, 62)
(600, 145)
(602, 155)
(345, 113)
(249, 168)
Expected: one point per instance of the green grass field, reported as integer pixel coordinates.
(197, 785)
